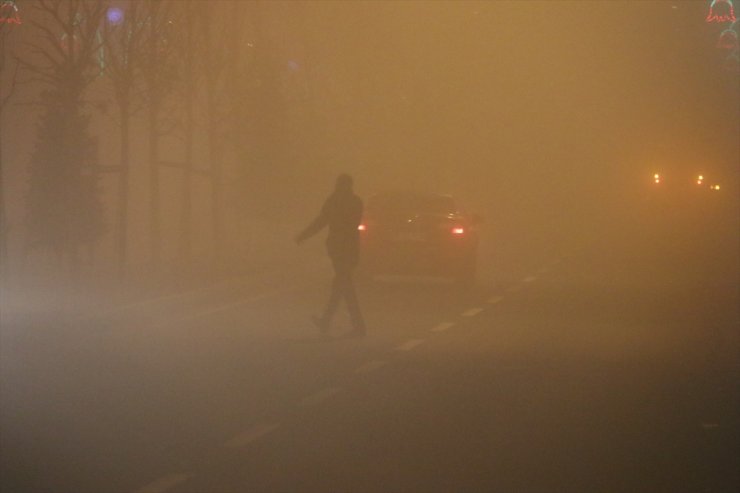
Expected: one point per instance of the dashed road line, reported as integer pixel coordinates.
(371, 366)
(494, 299)
(529, 279)
(158, 299)
(229, 306)
(443, 326)
(251, 435)
(217, 309)
(472, 312)
(409, 345)
(164, 483)
(318, 397)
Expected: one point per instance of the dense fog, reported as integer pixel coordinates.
(544, 117)
(160, 157)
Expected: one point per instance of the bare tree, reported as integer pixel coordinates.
(189, 82)
(263, 144)
(169, 74)
(7, 66)
(224, 34)
(124, 44)
(158, 67)
(64, 210)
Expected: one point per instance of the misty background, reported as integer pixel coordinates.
(158, 158)
(547, 118)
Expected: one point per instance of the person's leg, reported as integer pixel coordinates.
(348, 292)
(336, 295)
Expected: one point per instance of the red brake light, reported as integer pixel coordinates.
(361, 227)
(458, 231)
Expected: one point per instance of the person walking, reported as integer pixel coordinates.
(341, 213)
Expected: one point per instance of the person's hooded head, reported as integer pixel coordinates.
(343, 184)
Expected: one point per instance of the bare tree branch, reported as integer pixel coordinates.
(36, 49)
(13, 81)
(43, 73)
(49, 36)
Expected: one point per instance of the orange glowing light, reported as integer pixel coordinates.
(458, 231)
(361, 227)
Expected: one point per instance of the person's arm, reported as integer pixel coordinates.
(317, 225)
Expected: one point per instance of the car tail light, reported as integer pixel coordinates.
(656, 177)
(458, 231)
(362, 227)
(700, 180)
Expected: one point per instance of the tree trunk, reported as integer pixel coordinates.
(154, 207)
(214, 149)
(3, 218)
(216, 194)
(186, 189)
(122, 220)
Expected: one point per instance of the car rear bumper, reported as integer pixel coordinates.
(447, 260)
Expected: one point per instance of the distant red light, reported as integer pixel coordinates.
(361, 227)
(458, 231)
(721, 11)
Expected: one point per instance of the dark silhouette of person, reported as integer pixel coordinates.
(342, 213)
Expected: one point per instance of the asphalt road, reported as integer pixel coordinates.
(607, 365)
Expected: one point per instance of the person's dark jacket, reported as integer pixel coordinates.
(342, 213)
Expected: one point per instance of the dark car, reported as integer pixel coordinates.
(406, 233)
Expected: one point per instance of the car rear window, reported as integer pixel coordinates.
(437, 204)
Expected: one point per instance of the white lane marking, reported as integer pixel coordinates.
(150, 301)
(515, 288)
(494, 299)
(371, 366)
(472, 312)
(251, 435)
(174, 296)
(409, 345)
(443, 326)
(529, 279)
(217, 309)
(229, 306)
(164, 483)
(319, 397)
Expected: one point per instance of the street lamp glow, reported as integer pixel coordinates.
(114, 15)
